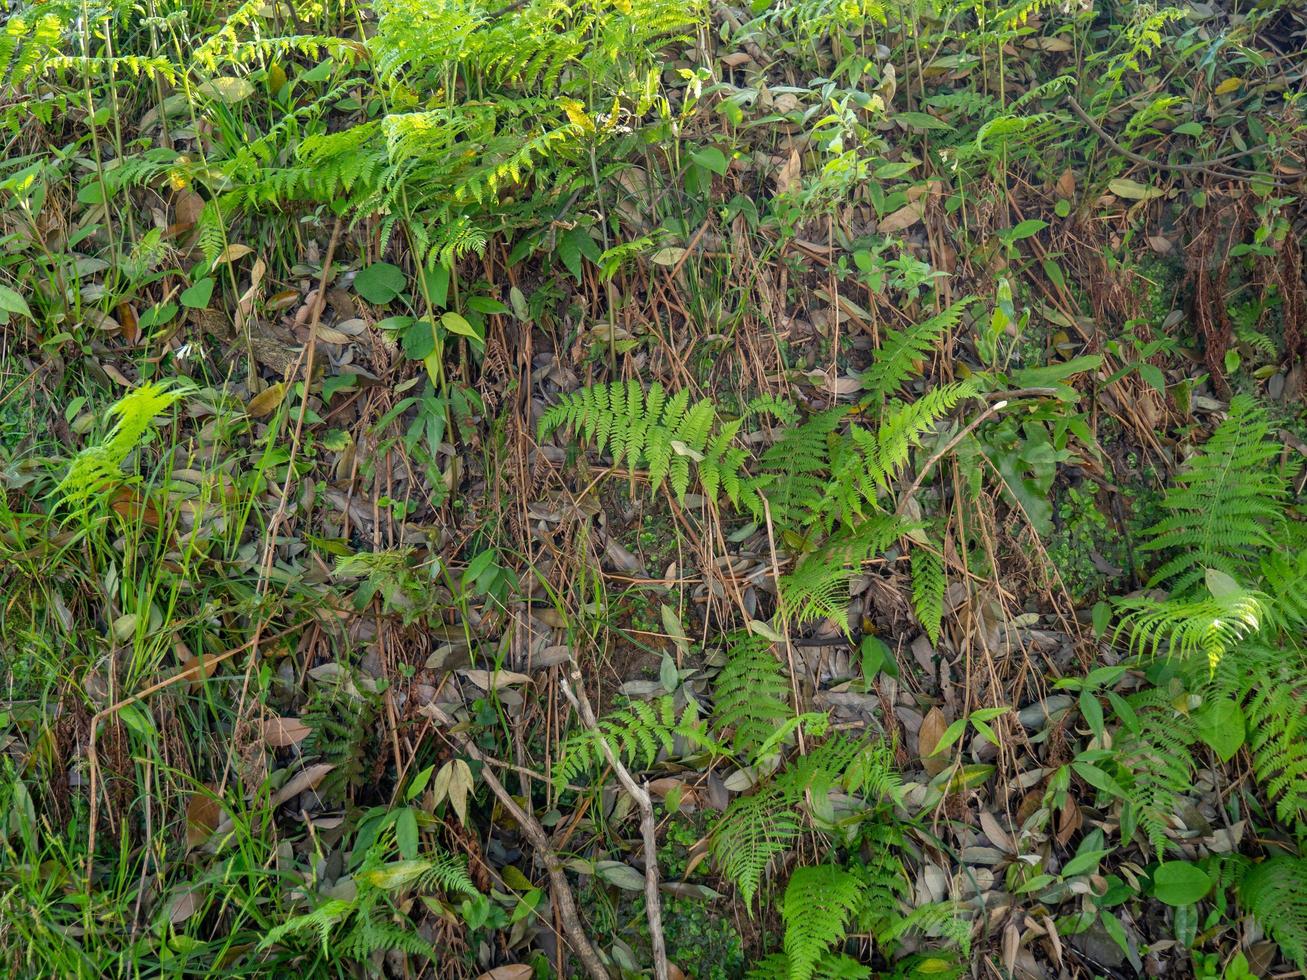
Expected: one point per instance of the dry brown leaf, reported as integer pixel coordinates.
(932, 730)
(902, 219)
(996, 834)
(281, 732)
(788, 175)
(266, 401)
(307, 778)
(232, 252)
(184, 905)
(1066, 184)
(201, 817)
(188, 210)
(515, 971)
(493, 680)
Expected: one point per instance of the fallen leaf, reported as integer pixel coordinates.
(307, 778)
(266, 401)
(788, 175)
(932, 730)
(281, 732)
(232, 252)
(201, 817)
(902, 219)
(489, 680)
(1066, 184)
(515, 971)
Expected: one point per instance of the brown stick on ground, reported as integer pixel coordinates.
(562, 891)
(652, 906)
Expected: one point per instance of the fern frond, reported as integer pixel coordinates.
(1273, 892)
(636, 733)
(901, 350)
(928, 584)
(751, 697)
(98, 467)
(818, 585)
(818, 903)
(1226, 505)
(665, 434)
(753, 830)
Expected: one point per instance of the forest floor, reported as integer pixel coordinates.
(609, 489)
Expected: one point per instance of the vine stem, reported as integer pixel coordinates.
(575, 693)
(944, 451)
(560, 889)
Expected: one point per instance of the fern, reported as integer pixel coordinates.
(792, 474)
(1210, 624)
(928, 584)
(1277, 739)
(818, 586)
(1226, 505)
(751, 697)
(97, 468)
(819, 901)
(667, 434)
(356, 928)
(1273, 893)
(756, 829)
(635, 734)
(895, 361)
(341, 715)
(1159, 758)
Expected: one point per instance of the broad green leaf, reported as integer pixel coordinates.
(711, 158)
(380, 282)
(11, 302)
(196, 296)
(456, 324)
(1180, 883)
(227, 89)
(1221, 725)
(1133, 190)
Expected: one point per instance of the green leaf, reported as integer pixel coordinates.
(196, 296)
(456, 324)
(1082, 863)
(920, 120)
(1221, 725)
(1133, 190)
(1092, 711)
(1180, 883)
(380, 282)
(876, 657)
(406, 834)
(1098, 779)
(227, 89)
(1221, 585)
(418, 340)
(711, 158)
(621, 875)
(11, 302)
(484, 304)
(1031, 226)
(951, 735)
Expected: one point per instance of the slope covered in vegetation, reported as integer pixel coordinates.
(653, 488)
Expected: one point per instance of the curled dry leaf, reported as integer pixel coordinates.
(493, 680)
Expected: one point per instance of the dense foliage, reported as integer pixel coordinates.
(804, 490)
